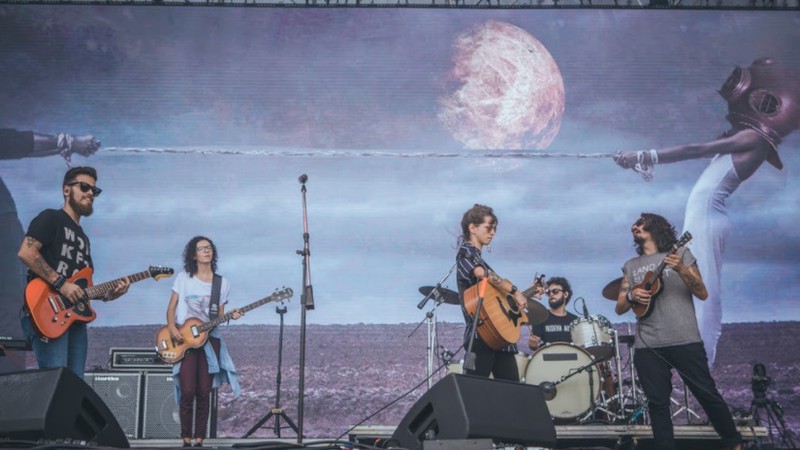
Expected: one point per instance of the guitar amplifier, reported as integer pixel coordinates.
(136, 360)
(121, 392)
(160, 419)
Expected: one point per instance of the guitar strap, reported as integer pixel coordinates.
(216, 288)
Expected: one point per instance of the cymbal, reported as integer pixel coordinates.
(611, 291)
(537, 313)
(447, 296)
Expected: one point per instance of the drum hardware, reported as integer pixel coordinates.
(684, 407)
(440, 295)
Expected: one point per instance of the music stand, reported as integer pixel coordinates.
(277, 411)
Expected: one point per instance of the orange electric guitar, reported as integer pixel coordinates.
(195, 332)
(501, 319)
(52, 315)
(652, 281)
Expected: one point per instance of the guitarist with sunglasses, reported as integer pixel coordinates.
(668, 337)
(54, 249)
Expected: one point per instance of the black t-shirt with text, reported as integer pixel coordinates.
(65, 247)
(555, 328)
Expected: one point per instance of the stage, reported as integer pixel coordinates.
(700, 437)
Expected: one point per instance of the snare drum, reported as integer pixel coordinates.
(593, 334)
(576, 395)
(522, 364)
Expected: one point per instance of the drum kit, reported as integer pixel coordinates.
(584, 380)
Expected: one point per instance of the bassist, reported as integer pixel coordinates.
(54, 249)
(210, 365)
(478, 226)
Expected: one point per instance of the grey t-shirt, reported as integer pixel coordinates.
(673, 320)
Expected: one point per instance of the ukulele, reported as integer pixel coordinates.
(652, 280)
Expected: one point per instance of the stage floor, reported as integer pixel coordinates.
(690, 437)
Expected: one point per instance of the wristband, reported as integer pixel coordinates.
(513, 290)
(653, 156)
(59, 282)
(630, 298)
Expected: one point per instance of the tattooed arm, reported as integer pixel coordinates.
(689, 274)
(502, 284)
(29, 254)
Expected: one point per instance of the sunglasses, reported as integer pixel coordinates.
(554, 291)
(86, 187)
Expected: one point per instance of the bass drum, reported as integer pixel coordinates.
(522, 364)
(576, 395)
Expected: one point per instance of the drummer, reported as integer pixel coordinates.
(556, 327)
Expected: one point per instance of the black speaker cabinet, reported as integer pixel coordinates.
(469, 407)
(55, 404)
(160, 419)
(121, 392)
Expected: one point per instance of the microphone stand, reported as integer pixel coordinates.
(307, 302)
(276, 412)
(469, 356)
(430, 317)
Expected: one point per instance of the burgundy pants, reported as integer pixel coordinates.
(196, 385)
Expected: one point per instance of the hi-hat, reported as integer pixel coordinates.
(537, 313)
(447, 296)
(611, 291)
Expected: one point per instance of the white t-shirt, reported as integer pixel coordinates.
(194, 297)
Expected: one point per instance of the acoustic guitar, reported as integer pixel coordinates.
(500, 320)
(652, 281)
(52, 315)
(194, 332)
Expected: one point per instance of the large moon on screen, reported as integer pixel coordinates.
(504, 90)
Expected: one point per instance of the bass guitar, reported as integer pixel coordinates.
(652, 281)
(194, 332)
(52, 315)
(500, 320)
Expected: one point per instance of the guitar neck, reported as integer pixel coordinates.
(101, 290)
(527, 293)
(227, 316)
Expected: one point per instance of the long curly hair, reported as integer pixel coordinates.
(190, 252)
(663, 233)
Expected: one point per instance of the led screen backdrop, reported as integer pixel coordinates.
(402, 119)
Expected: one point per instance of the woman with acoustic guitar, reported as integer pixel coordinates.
(478, 227)
(206, 367)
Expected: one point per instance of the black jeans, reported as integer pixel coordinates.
(503, 365)
(655, 375)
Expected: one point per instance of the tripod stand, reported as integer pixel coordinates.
(277, 411)
(774, 418)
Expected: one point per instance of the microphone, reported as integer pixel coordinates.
(303, 178)
(585, 311)
(548, 389)
(447, 355)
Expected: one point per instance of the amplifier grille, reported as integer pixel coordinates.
(121, 392)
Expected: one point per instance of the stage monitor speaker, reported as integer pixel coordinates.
(161, 419)
(55, 404)
(122, 394)
(469, 407)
